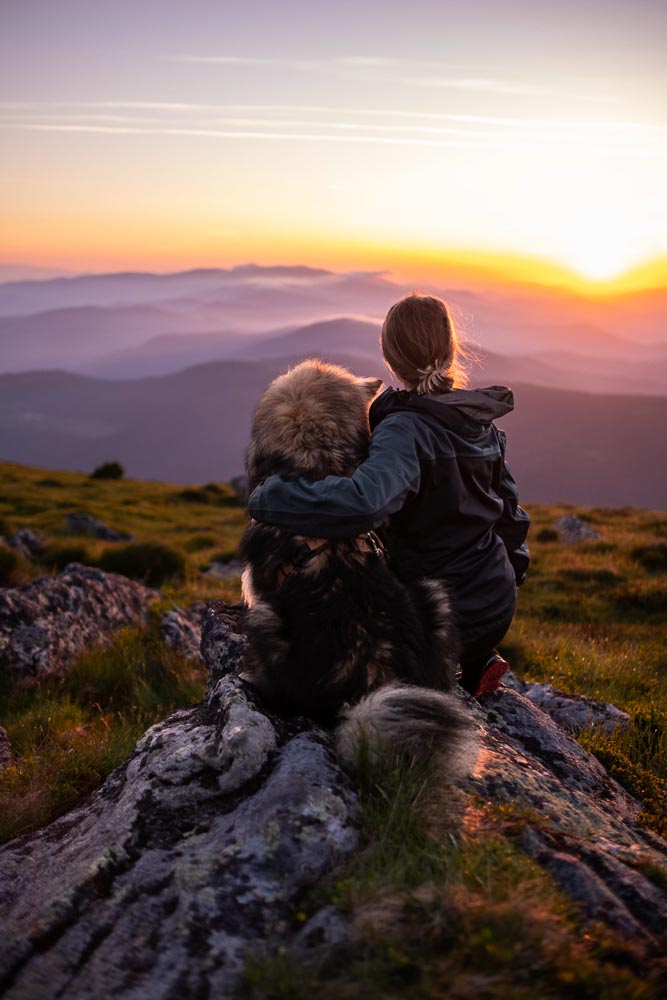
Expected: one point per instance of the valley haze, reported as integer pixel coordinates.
(162, 371)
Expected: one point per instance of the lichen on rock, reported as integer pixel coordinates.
(46, 622)
(188, 857)
(195, 852)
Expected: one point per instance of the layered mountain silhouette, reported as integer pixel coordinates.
(192, 426)
(161, 372)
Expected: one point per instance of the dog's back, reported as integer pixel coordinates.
(338, 623)
(328, 621)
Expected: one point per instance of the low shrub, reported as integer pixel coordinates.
(211, 493)
(151, 562)
(599, 547)
(58, 556)
(632, 599)
(546, 535)
(108, 470)
(198, 542)
(656, 526)
(193, 494)
(9, 566)
(651, 557)
(590, 576)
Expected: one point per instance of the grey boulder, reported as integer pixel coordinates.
(189, 857)
(46, 622)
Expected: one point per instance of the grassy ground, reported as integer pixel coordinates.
(69, 732)
(435, 915)
(593, 619)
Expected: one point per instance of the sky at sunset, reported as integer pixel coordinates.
(179, 133)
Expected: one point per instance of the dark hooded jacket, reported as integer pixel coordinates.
(436, 467)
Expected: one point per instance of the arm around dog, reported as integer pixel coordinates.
(344, 506)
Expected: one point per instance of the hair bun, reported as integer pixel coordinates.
(433, 379)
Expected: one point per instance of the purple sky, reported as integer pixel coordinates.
(164, 130)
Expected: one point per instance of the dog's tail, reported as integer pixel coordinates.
(406, 721)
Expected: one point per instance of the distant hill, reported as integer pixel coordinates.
(138, 324)
(193, 426)
(164, 369)
(75, 336)
(359, 339)
(135, 287)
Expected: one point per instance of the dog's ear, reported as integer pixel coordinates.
(371, 386)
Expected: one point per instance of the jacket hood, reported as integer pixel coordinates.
(457, 409)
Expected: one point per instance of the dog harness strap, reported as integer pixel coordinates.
(376, 545)
(368, 542)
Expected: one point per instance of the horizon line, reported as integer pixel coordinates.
(500, 267)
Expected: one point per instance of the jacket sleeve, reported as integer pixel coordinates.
(514, 521)
(344, 506)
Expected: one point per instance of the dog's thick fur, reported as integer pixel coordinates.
(331, 631)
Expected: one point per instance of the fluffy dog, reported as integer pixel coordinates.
(332, 633)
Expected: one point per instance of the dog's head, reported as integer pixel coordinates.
(311, 421)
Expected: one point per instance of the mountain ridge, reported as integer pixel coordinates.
(193, 426)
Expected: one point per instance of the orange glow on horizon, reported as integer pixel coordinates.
(113, 250)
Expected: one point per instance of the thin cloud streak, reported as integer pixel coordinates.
(464, 140)
(343, 66)
(406, 72)
(490, 120)
(478, 85)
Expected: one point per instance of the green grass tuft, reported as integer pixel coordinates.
(69, 733)
(151, 562)
(10, 566)
(57, 556)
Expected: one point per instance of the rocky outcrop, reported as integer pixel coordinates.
(28, 542)
(180, 629)
(571, 711)
(80, 523)
(574, 819)
(189, 856)
(43, 624)
(572, 530)
(195, 851)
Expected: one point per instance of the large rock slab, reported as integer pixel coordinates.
(43, 624)
(571, 711)
(574, 818)
(194, 853)
(190, 855)
(180, 629)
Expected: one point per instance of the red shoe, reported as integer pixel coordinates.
(490, 676)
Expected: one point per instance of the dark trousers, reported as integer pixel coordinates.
(477, 648)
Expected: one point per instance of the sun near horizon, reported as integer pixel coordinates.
(466, 267)
(524, 144)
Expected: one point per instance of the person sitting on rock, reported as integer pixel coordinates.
(436, 470)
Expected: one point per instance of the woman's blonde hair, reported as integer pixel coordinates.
(421, 346)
